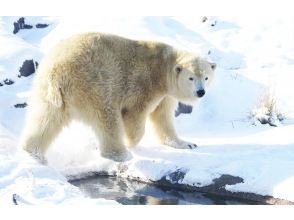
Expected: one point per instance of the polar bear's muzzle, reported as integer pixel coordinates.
(200, 93)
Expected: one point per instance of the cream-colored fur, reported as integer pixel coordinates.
(112, 84)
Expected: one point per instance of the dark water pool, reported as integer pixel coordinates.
(129, 192)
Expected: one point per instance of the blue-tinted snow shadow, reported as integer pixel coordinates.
(167, 27)
(216, 24)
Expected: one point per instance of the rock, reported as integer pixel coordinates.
(225, 179)
(218, 187)
(20, 24)
(174, 177)
(21, 21)
(14, 199)
(27, 26)
(28, 68)
(16, 27)
(21, 105)
(1, 84)
(204, 19)
(273, 119)
(8, 81)
(182, 108)
(213, 23)
(42, 25)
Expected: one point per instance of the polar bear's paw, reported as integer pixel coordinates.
(179, 144)
(117, 156)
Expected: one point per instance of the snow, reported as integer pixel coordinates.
(254, 56)
(31, 182)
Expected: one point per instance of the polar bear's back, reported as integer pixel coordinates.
(95, 65)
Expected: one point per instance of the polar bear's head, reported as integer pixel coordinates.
(192, 78)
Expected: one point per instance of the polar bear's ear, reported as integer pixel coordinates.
(213, 66)
(178, 69)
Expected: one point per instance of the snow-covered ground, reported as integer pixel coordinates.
(255, 58)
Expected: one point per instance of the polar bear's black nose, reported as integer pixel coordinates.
(201, 93)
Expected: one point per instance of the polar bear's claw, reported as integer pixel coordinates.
(179, 144)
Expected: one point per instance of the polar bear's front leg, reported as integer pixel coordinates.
(134, 124)
(109, 130)
(162, 120)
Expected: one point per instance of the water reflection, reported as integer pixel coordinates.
(135, 193)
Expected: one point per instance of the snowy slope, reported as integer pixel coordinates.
(26, 181)
(255, 58)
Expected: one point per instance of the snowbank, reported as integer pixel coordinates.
(24, 181)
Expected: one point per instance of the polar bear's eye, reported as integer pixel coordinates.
(206, 78)
(178, 69)
(191, 78)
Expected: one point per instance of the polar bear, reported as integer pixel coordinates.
(113, 84)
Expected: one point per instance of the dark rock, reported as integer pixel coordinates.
(42, 25)
(27, 26)
(213, 23)
(1, 84)
(174, 177)
(14, 199)
(224, 180)
(17, 200)
(21, 105)
(21, 21)
(218, 188)
(16, 27)
(263, 120)
(177, 176)
(27, 68)
(267, 120)
(281, 117)
(204, 19)
(8, 81)
(20, 24)
(182, 108)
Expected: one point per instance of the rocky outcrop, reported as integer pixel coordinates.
(28, 67)
(41, 25)
(183, 109)
(8, 81)
(20, 24)
(21, 105)
(218, 187)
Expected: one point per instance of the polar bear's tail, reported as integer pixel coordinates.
(54, 94)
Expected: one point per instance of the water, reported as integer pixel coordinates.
(129, 192)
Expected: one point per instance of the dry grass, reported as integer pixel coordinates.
(266, 111)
